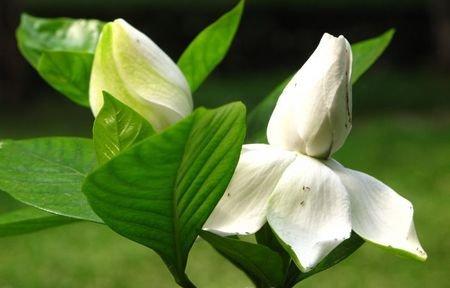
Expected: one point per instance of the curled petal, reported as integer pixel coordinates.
(132, 68)
(309, 211)
(379, 214)
(242, 209)
(313, 114)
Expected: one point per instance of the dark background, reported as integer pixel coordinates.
(401, 132)
(274, 39)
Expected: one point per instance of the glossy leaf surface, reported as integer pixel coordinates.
(61, 50)
(48, 173)
(116, 128)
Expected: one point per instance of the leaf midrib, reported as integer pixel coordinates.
(176, 222)
(207, 163)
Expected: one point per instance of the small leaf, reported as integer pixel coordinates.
(61, 50)
(261, 264)
(265, 236)
(68, 73)
(48, 173)
(365, 54)
(116, 128)
(161, 191)
(29, 219)
(209, 48)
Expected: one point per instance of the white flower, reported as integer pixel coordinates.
(132, 68)
(313, 115)
(313, 204)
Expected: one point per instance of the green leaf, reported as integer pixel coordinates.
(36, 35)
(267, 237)
(68, 73)
(161, 191)
(262, 265)
(208, 49)
(341, 252)
(48, 173)
(29, 219)
(75, 40)
(117, 128)
(365, 54)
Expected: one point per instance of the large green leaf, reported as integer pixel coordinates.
(74, 38)
(262, 265)
(365, 53)
(68, 73)
(48, 173)
(161, 191)
(116, 128)
(29, 219)
(208, 49)
(36, 35)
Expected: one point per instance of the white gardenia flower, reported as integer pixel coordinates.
(132, 68)
(318, 101)
(313, 203)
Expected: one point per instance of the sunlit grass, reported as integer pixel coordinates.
(409, 152)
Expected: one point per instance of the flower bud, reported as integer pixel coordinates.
(313, 115)
(132, 68)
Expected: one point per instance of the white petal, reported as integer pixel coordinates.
(309, 211)
(379, 214)
(132, 68)
(313, 114)
(242, 209)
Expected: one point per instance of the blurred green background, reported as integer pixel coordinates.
(401, 131)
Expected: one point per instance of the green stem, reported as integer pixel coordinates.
(184, 282)
(291, 276)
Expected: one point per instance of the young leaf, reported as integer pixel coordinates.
(161, 191)
(75, 39)
(208, 49)
(262, 265)
(365, 54)
(48, 173)
(266, 237)
(29, 219)
(116, 128)
(68, 73)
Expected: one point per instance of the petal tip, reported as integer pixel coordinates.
(417, 253)
(120, 22)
